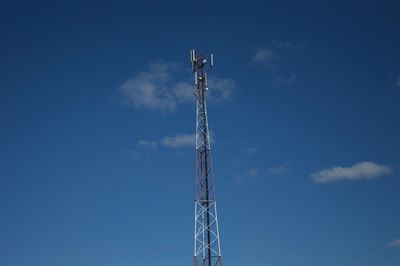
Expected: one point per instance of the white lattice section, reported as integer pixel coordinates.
(201, 230)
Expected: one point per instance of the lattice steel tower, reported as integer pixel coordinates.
(207, 249)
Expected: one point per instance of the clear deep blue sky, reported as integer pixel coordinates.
(97, 116)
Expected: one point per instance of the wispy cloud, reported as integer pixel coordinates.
(149, 89)
(279, 170)
(221, 89)
(179, 141)
(358, 171)
(275, 56)
(248, 175)
(159, 88)
(394, 244)
(274, 50)
(183, 91)
(250, 151)
(252, 174)
(147, 145)
(264, 55)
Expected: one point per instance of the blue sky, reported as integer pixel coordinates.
(97, 122)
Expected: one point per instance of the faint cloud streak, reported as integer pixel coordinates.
(249, 175)
(147, 145)
(250, 151)
(221, 89)
(394, 244)
(277, 170)
(179, 140)
(265, 55)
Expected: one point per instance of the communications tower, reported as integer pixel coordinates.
(207, 249)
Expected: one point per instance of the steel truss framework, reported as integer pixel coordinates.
(207, 249)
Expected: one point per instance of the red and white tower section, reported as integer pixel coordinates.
(207, 249)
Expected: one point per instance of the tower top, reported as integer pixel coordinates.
(200, 60)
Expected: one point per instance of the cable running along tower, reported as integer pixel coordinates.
(207, 249)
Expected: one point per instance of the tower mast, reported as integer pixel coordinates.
(207, 249)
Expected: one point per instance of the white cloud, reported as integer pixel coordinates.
(394, 244)
(159, 88)
(149, 89)
(264, 55)
(277, 170)
(179, 140)
(358, 171)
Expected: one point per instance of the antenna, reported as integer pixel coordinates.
(192, 58)
(211, 60)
